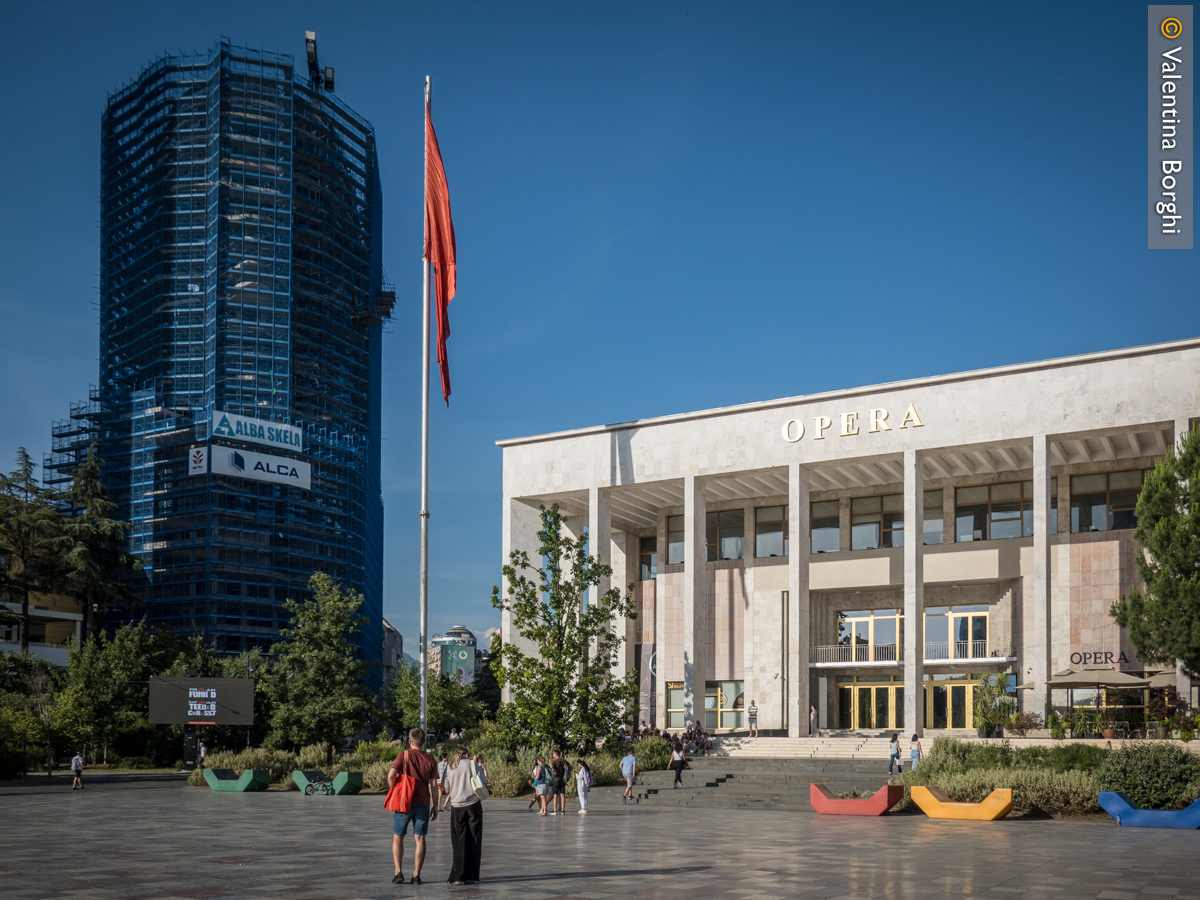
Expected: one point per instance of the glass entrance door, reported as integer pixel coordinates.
(949, 705)
(871, 706)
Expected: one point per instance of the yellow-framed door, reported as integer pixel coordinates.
(950, 704)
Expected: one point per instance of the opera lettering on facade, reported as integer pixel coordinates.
(850, 424)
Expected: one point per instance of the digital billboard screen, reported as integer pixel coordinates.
(202, 701)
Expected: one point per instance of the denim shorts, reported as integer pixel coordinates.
(559, 787)
(418, 815)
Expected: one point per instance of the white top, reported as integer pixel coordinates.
(457, 783)
(581, 779)
(676, 756)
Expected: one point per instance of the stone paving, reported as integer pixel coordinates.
(154, 837)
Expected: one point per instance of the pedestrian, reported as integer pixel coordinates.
(752, 712)
(203, 754)
(894, 753)
(424, 807)
(629, 770)
(482, 767)
(559, 768)
(542, 779)
(583, 784)
(678, 761)
(466, 818)
(915, 747)
(77, 769)
(441, 776)
(812, 722)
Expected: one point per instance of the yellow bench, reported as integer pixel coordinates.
(935, 804)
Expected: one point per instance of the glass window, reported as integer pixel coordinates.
(826, 527)
(649, 558)
(725, 532)
(675, 709)
(723, 704)
(675, 542)
(992, 512)
(1105, 502)
(771, 531)
(877, 522)
(932, 528)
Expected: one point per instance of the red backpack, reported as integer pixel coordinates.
(400, 794)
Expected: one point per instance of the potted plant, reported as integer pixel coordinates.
(1108, 724)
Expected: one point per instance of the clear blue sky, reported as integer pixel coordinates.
(660, 207)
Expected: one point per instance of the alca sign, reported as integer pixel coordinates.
(257, 431)
(261, 467)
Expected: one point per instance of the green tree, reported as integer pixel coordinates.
(59, 719)
(29, 524)
(450, 703)
(565, 694)
(318, 680)
(1163, 618)
(95, 546)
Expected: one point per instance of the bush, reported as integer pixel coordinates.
(279, 763)
(375, 776)
(652, 753)
(950, 755)
(314, 756)
(1035, 791)
(1153, 774)
(1061, 757)
(133, 762)
(506, 779)
(14, 762)
(1021, 723)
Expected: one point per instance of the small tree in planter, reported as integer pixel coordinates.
(993, 705)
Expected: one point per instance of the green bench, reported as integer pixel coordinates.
(343, 782)
(228, 780)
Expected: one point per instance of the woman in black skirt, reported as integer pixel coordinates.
(466, 818)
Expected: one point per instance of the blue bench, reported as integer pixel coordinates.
(1122, 809)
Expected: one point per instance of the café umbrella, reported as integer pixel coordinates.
(1095, 677)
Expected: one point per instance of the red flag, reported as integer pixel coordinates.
(439, 245)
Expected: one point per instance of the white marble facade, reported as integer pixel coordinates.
(760, 620)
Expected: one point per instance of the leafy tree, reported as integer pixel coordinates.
(95, 546)
(566, 695)
(58, 719)
(29, 523)
(1163, 618)
(318, 681)
(450, 703)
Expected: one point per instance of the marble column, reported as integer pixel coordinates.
(695, 600)
(1036, 653)
(914, 594)
(798, 612)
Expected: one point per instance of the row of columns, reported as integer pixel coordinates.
(1037, 621)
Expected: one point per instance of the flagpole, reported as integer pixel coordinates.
(424, 649)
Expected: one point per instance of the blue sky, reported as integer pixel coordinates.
(660, 207)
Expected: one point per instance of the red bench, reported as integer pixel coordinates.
(877, 804)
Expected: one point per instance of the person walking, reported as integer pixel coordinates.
(482, 768)
(466, 818)
(752, 717)
(542, 778)
(583, 784)
(203, 754)
(77, 770)
(424, 807)
(812, 722)
(894, 753)
(560, 769)
(915, 747)
(442, 766)
(629, 770)
(678, 761)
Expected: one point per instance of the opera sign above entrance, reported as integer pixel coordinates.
(850, 424)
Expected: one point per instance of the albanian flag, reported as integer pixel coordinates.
(439, 245)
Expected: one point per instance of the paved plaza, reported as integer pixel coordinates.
(151, 836)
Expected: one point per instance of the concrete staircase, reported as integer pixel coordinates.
(749, 782)
(830, 745)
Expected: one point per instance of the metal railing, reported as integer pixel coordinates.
(934, 650)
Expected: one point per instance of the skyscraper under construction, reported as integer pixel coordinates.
(241, 305)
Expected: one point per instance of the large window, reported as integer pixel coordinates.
(869, 635)
(725, 534)
(874, 519)
(932, 532)
(675, 542)
(956, 632)
(771, 531)
(723, 702)
(675, 710)
(649, 558)
(1105, 502)
(826, 527)
(991, 512)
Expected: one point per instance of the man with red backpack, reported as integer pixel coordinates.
(422, 804)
